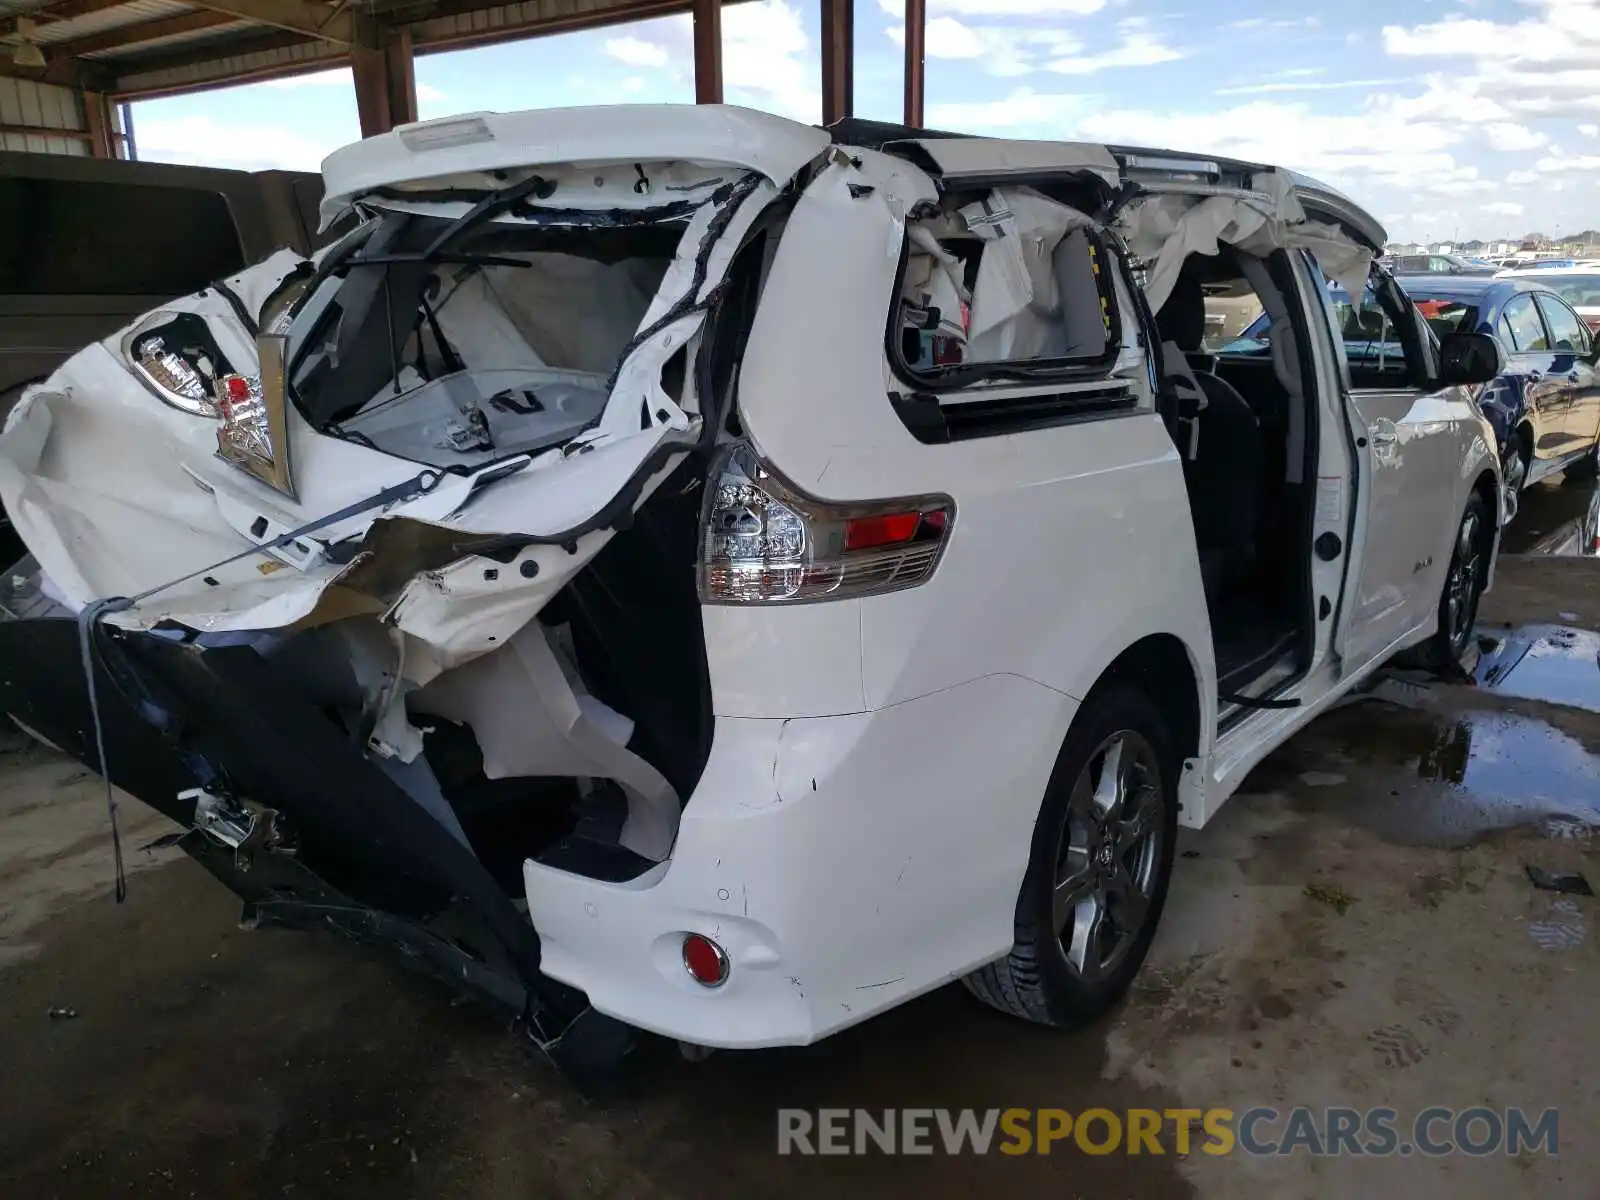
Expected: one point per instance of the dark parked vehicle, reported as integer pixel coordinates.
(1436, 264)
(1545, 407)
(1578, 286)
(87, 245)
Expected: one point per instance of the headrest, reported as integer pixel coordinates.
(1182, 319)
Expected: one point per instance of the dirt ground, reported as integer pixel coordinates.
(1356, 928)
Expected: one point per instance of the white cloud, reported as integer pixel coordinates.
(338, 77)
(342, 78)
(768, 60)
(203, 141)
(1510, 138)
(1519, 178)
(1551, 164)
(767, 54)
(636, 52)
(1543, 64)
(1276, 23)
(1589, 130)
(1022, 108)
(1504, 208)
(1003, 50)
(1136, 48)
(946, 37)
(1303, 85)
(1452, 36)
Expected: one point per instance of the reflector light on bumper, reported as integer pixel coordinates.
(765, 541)
(705, 961)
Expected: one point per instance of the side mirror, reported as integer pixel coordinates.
(1470, 358)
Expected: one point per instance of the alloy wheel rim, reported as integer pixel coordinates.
(1106, 860)
(1463, 579)
(1516, 476)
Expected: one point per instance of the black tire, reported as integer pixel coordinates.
(1036, 981)
(1463, 587)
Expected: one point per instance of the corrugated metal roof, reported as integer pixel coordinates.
(196, 54)
(129, 54)
(486, 22)
(306, 53)
(135, 13)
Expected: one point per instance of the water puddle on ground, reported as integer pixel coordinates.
(1541, 662)
(1417, 775)
(1556, 517)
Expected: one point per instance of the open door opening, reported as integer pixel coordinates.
(1246, 428)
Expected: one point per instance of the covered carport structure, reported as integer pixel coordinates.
(101, 52)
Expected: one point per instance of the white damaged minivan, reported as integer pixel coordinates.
(677, 569)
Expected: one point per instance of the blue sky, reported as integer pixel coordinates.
(1444, 117)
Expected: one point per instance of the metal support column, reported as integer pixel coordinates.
(708, 51)
(916, 56)
(97, 120)
(838, 60)
(401, 68)
(385, 79)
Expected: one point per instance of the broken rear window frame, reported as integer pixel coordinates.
(959, 377)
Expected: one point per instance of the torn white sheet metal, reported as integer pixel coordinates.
(451, 151)
(532, 716)
(117, 493)
(1166, 226)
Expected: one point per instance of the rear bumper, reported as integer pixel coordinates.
(367, 860)
(845, 864)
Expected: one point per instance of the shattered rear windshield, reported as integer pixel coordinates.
(456, 340)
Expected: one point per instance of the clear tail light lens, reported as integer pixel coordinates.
(254, 432)
(173, 378)
(766, 541)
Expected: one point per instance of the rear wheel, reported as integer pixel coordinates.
(1463, 587)
(1099, 867)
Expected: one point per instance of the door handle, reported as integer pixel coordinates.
(1535, 375)
(1574, 377)
(1383, 438)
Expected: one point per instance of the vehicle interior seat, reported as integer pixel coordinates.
(1220, 443)
(1364, 324)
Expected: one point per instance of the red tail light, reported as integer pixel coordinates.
(764, 540)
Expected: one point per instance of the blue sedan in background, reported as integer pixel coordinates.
(1545, 407)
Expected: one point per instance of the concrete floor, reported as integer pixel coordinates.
(204, 1060)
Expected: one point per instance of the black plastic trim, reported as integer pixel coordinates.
(932, 422)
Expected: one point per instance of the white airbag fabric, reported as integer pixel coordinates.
(1164, 228)
(1016, 305)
